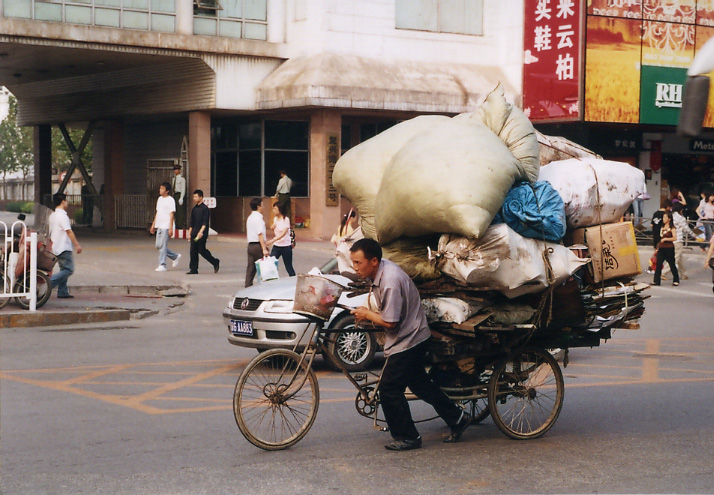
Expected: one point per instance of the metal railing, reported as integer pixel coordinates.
(16, 249)
(133, 211)
(644, 236)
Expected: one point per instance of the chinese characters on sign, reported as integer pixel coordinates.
(552, 48)
(333, 153)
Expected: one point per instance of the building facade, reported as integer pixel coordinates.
(609, 74)
(236, 90)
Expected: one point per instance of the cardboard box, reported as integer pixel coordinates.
(613, 243)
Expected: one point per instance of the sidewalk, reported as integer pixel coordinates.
(115, 277)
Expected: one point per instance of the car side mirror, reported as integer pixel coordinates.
(694, 106)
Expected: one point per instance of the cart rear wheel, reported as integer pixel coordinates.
(275, 400)
(525, 394)
(478, 408)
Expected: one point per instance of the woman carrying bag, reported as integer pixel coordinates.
(665, 249)
(281, 243)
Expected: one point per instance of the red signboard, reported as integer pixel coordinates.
(552, 54)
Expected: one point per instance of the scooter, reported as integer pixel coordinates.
(16, 257)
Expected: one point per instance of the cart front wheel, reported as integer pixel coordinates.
(275, 400)
(44, 290)
(525, 394)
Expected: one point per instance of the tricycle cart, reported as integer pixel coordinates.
(506, 371)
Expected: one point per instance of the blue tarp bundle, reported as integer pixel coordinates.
(534, 210)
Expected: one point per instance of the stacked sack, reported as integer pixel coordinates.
(480, 199)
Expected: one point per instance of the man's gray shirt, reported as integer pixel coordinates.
(399, 302)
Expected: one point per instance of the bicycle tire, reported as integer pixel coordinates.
(44, 290)
(525, 394)
(270, 410)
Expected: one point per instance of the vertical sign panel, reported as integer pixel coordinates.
(612, 69)
(333, 154)
(552, 54)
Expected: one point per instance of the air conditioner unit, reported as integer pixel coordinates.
(208, 4)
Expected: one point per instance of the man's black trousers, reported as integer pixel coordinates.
(406, 369)
(199, 247)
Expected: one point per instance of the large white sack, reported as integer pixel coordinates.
(554, 148)
(585, 183)
(358, 173)
(451, 178)
(505, 261)
(449, 309)
(512, 126)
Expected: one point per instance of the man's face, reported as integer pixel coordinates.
(162, 191)
(197, 199)
(365, 268)
(260, 208)
(177, 171)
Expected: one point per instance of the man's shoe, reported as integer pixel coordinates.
(176, 261)
(216, 266)
(404, 444)
(161, 268)
(459, 428)
(191, 273)
(68, 296)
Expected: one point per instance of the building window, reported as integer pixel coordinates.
(247, 157)
(146, 15)
(441, 16)
(231, 18)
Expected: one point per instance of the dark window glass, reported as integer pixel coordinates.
(286, 135)
(249, 173)
(346, 138)
(249, 136)
(295, 164)
(367, 131)
(226, 173)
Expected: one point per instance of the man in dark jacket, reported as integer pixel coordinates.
(198, 234)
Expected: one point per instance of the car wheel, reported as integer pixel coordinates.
(352, 348)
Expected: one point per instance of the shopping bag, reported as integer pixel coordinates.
(267, 268)
(653, 262)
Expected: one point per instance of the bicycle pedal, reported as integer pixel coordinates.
(360, 377)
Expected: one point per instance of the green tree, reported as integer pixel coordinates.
(16, 151)
(62, 156)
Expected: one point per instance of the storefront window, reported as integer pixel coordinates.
(243, 165)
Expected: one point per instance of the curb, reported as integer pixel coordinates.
(135, 290)
(39, 319)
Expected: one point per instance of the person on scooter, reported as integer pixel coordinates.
(62, 241)
(401, 314)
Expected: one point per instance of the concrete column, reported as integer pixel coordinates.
(42, 147)
(113, 170)
(199, 152)
(323, 219)
(184, 16)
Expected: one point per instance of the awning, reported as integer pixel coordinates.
(345, 81)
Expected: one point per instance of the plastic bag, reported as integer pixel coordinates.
(505, 261)
(535, 211)
(653, 262)
(267, 268)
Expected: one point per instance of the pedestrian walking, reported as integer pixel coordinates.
(178, 186)
(706, 214)
(257, 241)
(281, 244)
(63, 239)
(163, 225)
(665, 250)
(708, 259)
(683, 230)
(282, 192)
(400, 313)
(198, 234)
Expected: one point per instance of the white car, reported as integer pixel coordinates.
(261, 317)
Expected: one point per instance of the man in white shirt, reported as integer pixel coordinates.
(282, 192)
(257, 247)
(62, 241)
(163, 225)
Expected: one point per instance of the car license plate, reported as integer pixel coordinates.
(240, 327)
